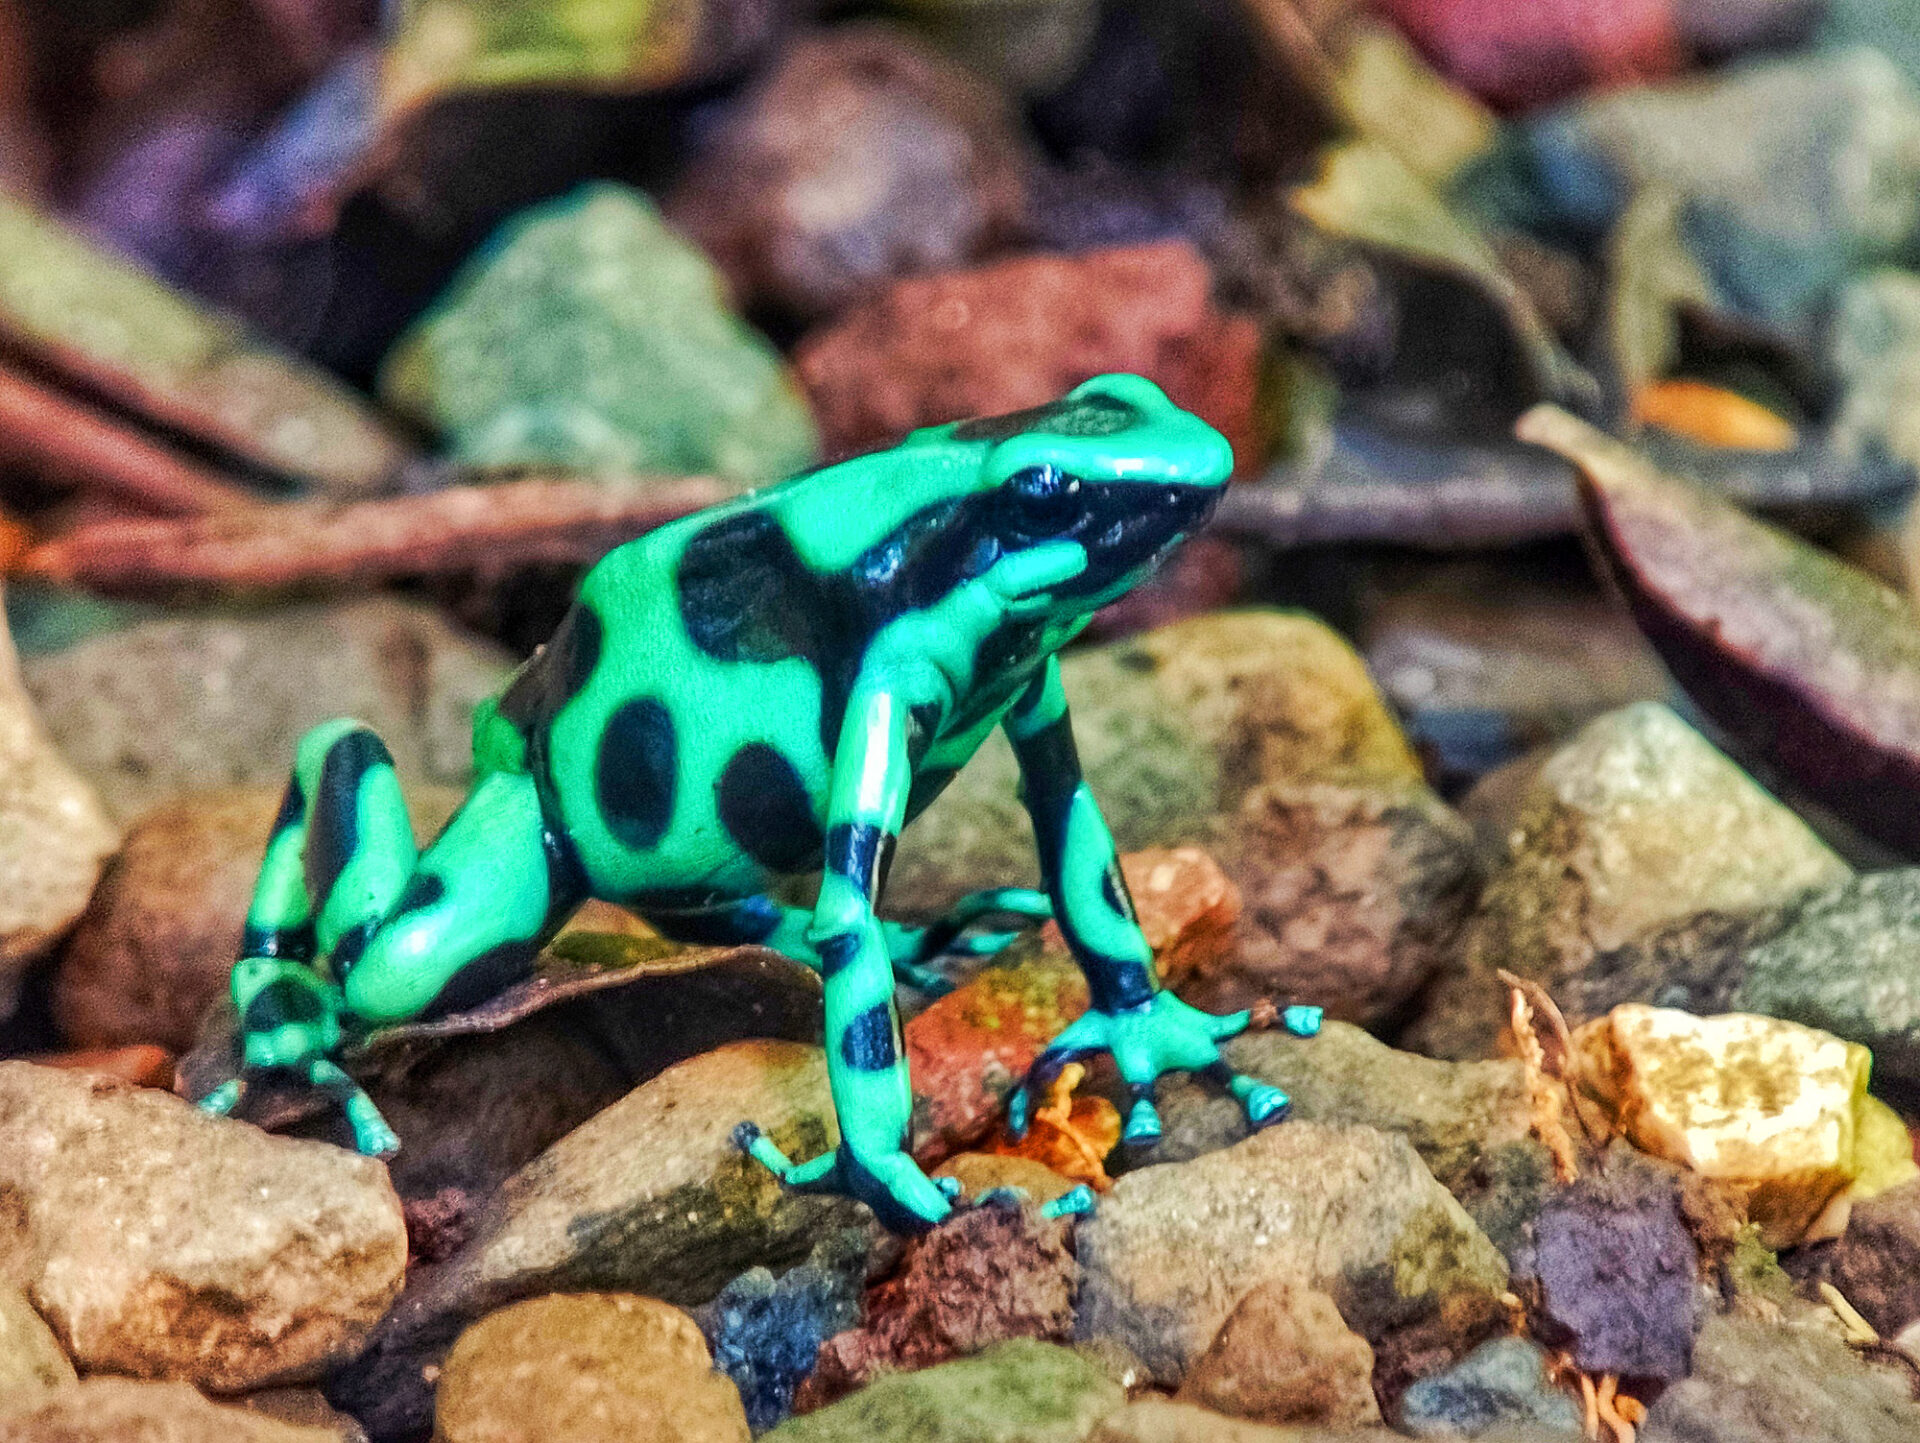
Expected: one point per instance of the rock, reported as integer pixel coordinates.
(1617, 1269)
(1792, 1382)
(159, 936)
(1174, 729)
(142, 1063)
(1503, 1381)
(650, 1195)
(1173, 1249)
(1029, 47)
(239, 688)
(1846, 964)
(968, 1049)
(982, 1277)
(54, 835)
(979, 1172)
(1022, 332)
(860, 157)
(1636, 822)
(1774, 1110)
(1520, 59)
(1876, 1263)
(32, 1362)
(1285, 1355)
(236, 1259)
(1467, 1120)
(1152, 1419)
(1354, 894)
(1485, 666)
(766, 1332)
(120, 1410)
(304, 1408)
(582, 1368)
(1756, 155)
(1016, 1392)
(586, 335)
(451, 48)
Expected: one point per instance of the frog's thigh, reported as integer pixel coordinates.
(478, 908)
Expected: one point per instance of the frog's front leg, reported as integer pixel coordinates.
(1148, 1030)
(866, 1061)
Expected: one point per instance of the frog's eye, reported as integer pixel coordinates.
(1044, 499)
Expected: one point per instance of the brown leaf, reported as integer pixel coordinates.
(1810, 666)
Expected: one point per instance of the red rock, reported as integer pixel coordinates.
(143, 1063)
(987, 1275)
(970, 1049)
(1522, 55)
(1020, 333)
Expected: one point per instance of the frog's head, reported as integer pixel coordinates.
(1114, 468)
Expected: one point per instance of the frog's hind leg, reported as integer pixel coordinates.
(475, 912)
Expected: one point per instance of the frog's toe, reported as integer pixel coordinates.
(1143, 1123)
(1074, 1202)
(1265, 1105)
(1303, 1021)
(372, 1136)
(224, 1098)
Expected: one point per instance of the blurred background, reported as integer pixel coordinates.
(306, 299)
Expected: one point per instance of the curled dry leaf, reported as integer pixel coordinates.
(1810, 666)
(299, 545)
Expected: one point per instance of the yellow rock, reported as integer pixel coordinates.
(586, 1368)
(1778, 1110)
(1882, 1150)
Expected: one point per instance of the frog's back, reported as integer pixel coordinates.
(682, 720)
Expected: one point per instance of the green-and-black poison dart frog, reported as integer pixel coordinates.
(771, 688)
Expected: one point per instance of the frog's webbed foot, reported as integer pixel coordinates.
(913, 949)
(1159, 1036)
(1075, 1202)
(901, 1196)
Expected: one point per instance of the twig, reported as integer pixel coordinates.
(72, 442)
(559, 520)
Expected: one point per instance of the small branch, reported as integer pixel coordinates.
(71, 442)
(493, 528)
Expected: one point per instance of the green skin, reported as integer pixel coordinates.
(772, 688)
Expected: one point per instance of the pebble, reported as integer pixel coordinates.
(1467, 1120)
(587, 335)
(1285, 1355)
(161, 1242)
(986, 1275)
(54, 835)
(1618, 1270)
(154, 948)
(1794, 1381)
(1775, 1110)
(121, 1410)
(586, 1368)
(32, 1362)
(1354, 894)
(1636, 822)
(1022, 332)
(1845, 965)
(1015, 1392)
(1172, 1250)
(650, 1196)
(861, 156)
(238, 688)
(1499, 1382)
(1152, 1419)
(1876, 1262)
(766, 1332)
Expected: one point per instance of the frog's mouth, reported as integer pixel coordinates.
(1129, 528)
